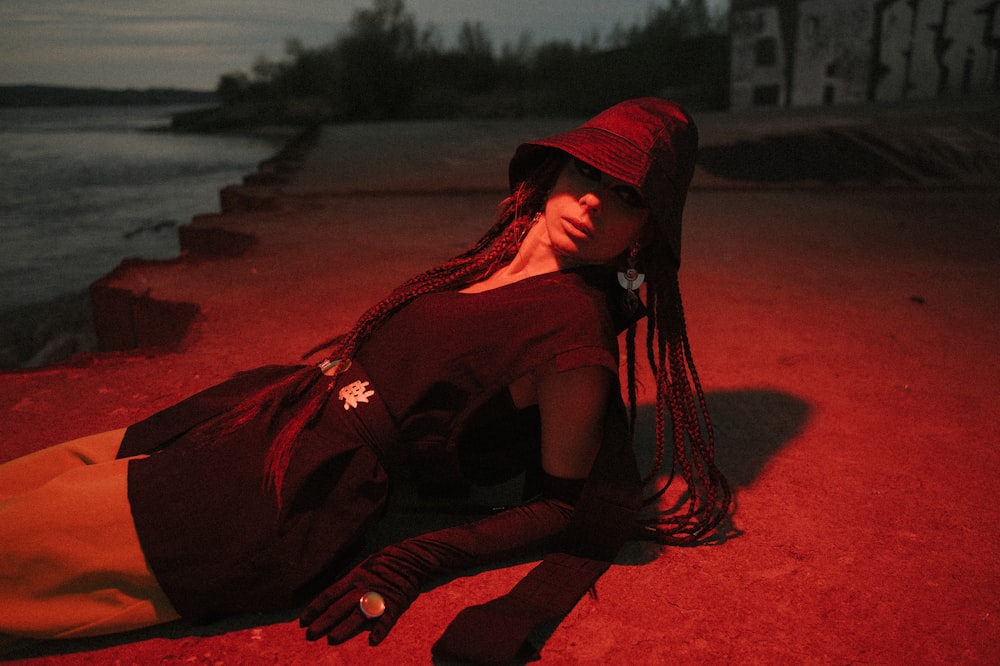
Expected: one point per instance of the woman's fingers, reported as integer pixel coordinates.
(323, 601)
(382, 626)
(340, 619)
(346, 628)
(343, 611)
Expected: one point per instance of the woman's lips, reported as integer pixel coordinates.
(575, 225)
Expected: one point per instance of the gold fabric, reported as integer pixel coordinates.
(70, 561)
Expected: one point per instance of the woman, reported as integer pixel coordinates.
(502, 360)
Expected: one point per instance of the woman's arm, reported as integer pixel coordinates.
(572, 405)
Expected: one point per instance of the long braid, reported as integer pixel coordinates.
(630, 378)
(679, 392)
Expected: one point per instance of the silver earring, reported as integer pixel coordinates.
(631, 279)
(527, 227)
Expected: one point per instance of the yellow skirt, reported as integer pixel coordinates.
(70, 561)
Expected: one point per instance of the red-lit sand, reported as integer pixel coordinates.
(848, 339)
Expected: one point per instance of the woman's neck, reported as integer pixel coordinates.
(534, 257)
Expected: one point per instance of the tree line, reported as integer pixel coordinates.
(385, 67)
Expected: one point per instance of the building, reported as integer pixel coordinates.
(813, 52)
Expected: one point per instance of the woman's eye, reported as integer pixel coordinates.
(587, 171)
(630, 196)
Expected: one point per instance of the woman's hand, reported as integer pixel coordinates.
(397, 572)
(336, 613)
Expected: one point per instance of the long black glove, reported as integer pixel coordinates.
(398, 572)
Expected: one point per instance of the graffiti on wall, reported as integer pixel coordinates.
(758, 59)
(832, 52)
(855, 50)
(934, 48)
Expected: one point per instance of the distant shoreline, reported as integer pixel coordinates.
(27, 96)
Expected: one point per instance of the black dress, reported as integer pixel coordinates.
(426, 395)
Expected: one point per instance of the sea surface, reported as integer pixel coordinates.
(81, 189)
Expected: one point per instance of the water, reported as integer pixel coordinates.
(83, 188)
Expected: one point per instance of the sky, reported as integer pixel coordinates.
(191, 43)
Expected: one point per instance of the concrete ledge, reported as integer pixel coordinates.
(202, 239)
(248, 199)
(125, 320)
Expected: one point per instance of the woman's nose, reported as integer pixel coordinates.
(591, 203)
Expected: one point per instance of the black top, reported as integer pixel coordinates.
(439, 369)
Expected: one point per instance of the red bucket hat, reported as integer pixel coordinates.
(649, 143)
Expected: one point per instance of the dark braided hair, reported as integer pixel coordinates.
(680, 401)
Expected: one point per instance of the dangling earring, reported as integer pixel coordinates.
(631, 279)
(527, 227)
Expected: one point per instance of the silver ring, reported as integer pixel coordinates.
(372, 605)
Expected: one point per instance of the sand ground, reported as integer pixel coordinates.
(846, 329)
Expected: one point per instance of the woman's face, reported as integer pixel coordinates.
(591, 217)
